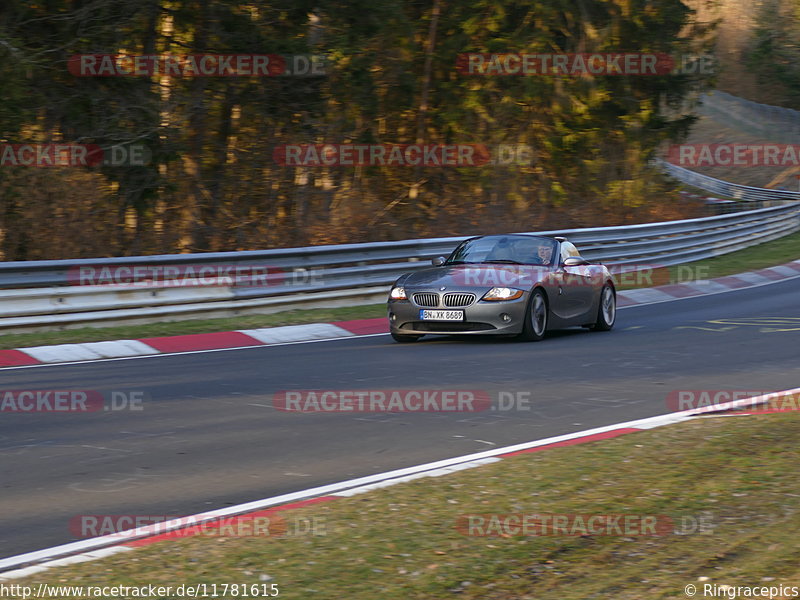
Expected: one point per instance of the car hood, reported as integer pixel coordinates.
(455, 277)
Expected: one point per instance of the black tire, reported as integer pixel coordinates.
(404, 338)
(607, 310)
(537, 316)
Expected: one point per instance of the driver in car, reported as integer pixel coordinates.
(543, 254)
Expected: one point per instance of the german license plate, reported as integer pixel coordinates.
(441, 315)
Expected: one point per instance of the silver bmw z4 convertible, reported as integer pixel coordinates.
(517, 284)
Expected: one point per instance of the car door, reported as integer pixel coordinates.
(577, 284)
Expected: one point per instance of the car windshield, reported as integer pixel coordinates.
(505, 249)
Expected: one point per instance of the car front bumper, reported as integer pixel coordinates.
(480, 318)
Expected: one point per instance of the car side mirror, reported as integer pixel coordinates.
(575, 261)
(438, 261)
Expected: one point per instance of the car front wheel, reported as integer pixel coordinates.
(536, 318)
(607, 311)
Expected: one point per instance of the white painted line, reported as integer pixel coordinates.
(296, 333)
(24, 572)
(380, 484)
(64, 562)
(434, 473)
(461, 467)
(665, 420)
(107, 552)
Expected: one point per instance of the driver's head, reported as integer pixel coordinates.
(545, 252)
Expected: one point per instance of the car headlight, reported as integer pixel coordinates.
(498, 294)
(398, 293)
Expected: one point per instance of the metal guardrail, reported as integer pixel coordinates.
(41, 294)
(725, 188)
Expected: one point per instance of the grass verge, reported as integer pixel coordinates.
(737, 476)
(766, 255)
(769, 254)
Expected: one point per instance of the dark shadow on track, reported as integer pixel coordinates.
(498, 339)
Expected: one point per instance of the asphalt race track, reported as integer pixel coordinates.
(209, 436)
